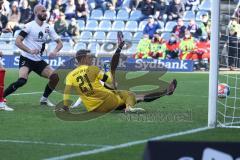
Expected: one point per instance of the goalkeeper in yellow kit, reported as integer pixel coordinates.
(86, 80)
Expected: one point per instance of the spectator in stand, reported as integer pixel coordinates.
(73, 30)
(3, 19)
(175, 10)
(191, 5)
(187, 46)
(143, 48)
(70, 9)
(13, 17)
(55, 15)
(205, 25)
(171, 47)
(104, 4)
(162, 8)
(148, 7)
(233, 47)
(118, 4)
(32, 3)
(202, 53)
(6, 8)
(26, 12)
(82, 10)
(237, 14)
(179, 29)
(151, 27)
(133, 4)
(156, 48)
(60, 25)
(193, 28)
(60, 5)
(47, 4)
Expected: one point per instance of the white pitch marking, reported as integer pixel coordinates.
(29, 93)
(50, 143)
(124, 145)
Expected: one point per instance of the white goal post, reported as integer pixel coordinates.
(213, 73)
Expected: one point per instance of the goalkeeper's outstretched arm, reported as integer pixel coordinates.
(115, 61)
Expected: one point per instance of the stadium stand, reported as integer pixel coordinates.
(102, 25)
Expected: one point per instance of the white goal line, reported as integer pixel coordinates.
(128, 144)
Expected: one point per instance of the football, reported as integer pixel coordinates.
(223, 90)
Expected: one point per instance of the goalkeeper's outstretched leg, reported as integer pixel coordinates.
(130, 99)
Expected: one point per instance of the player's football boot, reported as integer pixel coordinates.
(172, 87)
(134, 110)
(4, 107)
(47, 102)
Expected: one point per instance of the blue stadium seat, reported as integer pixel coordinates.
(6, 36)
(169, 26)
(105, 25)
(127, 35)
(166, 36)
(137, 36)
(112, 36)
(118, 26)
(188, 15)
(96, 14)
(81, 24)
(86, 36)
(99, 36)
(80, 45)
(142, 25)
(7, 48)
(109, 15)
(131, 26)
(94, 47)
(199, 15)
(205, 5)
(135, 15)
(122, 15)
(67, 48)
(91, 25)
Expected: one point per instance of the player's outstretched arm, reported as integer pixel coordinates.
(115, 61)
(66, 97)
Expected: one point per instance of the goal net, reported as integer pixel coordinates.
(228, 109)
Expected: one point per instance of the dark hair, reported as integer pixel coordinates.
(81, 53)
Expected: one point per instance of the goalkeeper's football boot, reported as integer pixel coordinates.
(134, 110)
(172, 87)
(47, 102)
(4, 107)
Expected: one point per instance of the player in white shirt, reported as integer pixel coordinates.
(31, 40)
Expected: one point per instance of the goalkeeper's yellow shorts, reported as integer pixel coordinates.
(114, 100)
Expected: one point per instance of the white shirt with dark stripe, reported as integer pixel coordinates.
(36, 38)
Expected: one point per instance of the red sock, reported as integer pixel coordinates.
(2, 75)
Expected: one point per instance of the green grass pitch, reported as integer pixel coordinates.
(34, 132)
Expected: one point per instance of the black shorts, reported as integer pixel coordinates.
(35, 66)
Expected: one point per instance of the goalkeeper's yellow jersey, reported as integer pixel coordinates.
(86, 80)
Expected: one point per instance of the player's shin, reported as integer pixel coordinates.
(14, 86)
(2, 75)
(53, 81)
